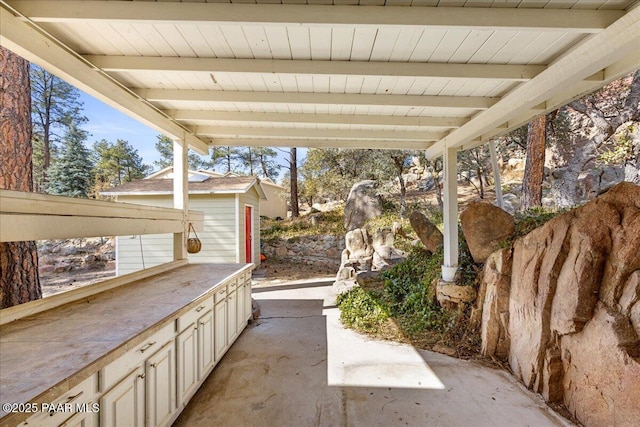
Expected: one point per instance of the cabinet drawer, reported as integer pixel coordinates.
(192, 315)
(220, 294)
(78, 399)
(232, 285)
(122, 366)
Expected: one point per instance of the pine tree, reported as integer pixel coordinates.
(19, 279)
(117, 163)
(72, 173)
(164, 145)
(55, 106)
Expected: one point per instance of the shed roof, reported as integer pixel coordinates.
(212, 185)
(422, 74)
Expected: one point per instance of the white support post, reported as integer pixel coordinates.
(450, 214)
(496, 173)
(180, 196)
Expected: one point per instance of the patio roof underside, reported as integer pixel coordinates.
(356, 74)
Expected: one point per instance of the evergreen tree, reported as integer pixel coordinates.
(117, 163)
(164, 145)
(267, 165)
(226, 157)
(72, 173)
(55, 106)
(19, 279)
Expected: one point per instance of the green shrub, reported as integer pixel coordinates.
(362, 310)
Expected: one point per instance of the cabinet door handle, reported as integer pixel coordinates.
(146, 347)
(153, 365)
(74, 397)
(199, 309)
(141, 376)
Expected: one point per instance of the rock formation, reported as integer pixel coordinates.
(571, 330)
(364, 257)
(484, 226)
(427, 232)
(362, 204)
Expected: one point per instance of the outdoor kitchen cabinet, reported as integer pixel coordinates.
(146, 350)
(124, 403)
(221, 322)
(146, 396)
(195, 348)
(232, 310)
(74, 408)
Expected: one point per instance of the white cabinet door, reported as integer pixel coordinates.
(220, 328)
(206, 346)
(161, 390)
(241, 319)
(123, 405)
(247, 299)
(187, 348)
(231, 317)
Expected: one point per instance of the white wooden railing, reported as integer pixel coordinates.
(33, 216)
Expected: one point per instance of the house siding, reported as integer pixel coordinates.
(218, 236)
(276, 205)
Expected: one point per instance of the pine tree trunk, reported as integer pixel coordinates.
(295, 209)
(534, 166)
(19, 280)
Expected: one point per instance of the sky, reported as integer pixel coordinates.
(110, 124)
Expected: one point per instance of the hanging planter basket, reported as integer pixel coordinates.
(193, 243)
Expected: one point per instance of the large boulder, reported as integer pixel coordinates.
(574, 309)
(484, 226)
(602, 379)
(362, 204)
(496, 280)
(428, 233)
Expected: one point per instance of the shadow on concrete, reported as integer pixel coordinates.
(297, 366)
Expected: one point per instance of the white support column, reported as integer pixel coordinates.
(496, 173)
(450, 214)
(180, 196)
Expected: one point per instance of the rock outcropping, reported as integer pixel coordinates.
(484, 226)
(565, 312)
(362, 204)
(365, 255)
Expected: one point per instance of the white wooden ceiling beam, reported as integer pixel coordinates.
(578, 90)
(168, 95)
(317, 133)
(383, 144)
(347, 119)
(287, 66)
(616, 45)
(40, 49)
(566, 20)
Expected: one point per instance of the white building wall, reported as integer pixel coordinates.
(218, 237)
(276, 204)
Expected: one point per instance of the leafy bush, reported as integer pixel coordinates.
(408, 299)
(362, 310)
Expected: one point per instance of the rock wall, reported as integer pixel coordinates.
(321, 251)
(571, 330)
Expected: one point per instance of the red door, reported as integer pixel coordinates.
(248, 245)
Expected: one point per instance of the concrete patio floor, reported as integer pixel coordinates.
(297, 366)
